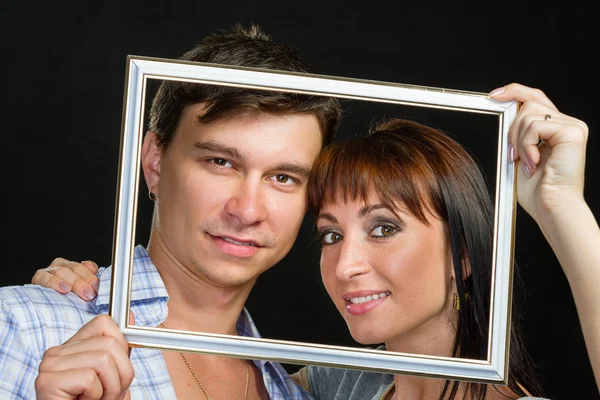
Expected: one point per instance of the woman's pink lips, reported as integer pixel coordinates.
(363, 308)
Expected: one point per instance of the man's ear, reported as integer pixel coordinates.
(151, 156)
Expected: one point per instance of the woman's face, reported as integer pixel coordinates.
(389, 274)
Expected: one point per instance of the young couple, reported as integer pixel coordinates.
(404, 217)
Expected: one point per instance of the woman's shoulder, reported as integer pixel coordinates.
(533, 398)
(337, 383)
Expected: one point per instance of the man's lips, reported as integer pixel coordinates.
(237, 241)
(234, 246)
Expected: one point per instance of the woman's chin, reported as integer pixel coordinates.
(367, 337)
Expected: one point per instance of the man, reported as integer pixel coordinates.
(227, 169)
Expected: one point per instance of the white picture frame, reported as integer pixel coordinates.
(494, 369)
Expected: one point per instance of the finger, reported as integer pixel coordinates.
(70, 384)
(79, 277)
(522, 93)
(552, 133)
(105, 345)
(92, 266)
(86, 269)
(44, 278)
(101, 325)
(100, 362)
(528, 140)
(528, 112)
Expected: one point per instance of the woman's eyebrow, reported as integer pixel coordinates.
(367, 209)
(329, 217)
(361, 213)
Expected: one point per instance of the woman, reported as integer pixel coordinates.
(381, 197)
(406, 224)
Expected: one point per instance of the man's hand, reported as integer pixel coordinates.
(93, 364)
(66, 276)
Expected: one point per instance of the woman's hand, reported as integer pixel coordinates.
(66, 276)
(551, 148)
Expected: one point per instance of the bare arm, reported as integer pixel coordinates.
(574, 236)
(550, 148)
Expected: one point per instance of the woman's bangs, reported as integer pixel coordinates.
(358, 170)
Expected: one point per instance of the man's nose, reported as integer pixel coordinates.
(247, 203)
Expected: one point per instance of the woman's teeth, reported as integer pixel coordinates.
(359, 300)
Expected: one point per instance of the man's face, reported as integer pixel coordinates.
(232, 194)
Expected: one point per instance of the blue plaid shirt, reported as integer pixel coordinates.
(33, 319)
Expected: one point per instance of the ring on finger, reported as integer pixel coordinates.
(548, 117)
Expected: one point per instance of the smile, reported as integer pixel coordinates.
(371, 297)
(236, 247)
(238, 243)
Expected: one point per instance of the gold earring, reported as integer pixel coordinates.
(151, 195)
(456, 302)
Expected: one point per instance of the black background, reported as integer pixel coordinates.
(61, 102)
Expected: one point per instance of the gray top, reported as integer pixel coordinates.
(327, 383)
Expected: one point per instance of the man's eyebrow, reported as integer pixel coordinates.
(294, 168)
(219, 148)
(291, 167)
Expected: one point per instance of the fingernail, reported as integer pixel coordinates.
(88, 294)
(526, 169)
(497, 91)
(511, 153)
(95, 285)
(64, 286)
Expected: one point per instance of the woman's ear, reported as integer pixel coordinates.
(466, 267)
(151, 156)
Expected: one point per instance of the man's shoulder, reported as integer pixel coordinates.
(37, 296)
(32, 308)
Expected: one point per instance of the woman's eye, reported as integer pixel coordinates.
(331, 237)
(384, 231)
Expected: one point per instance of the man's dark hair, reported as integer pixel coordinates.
(247, 47)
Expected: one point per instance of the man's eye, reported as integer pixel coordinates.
(331, 237)
(284, 179)
(384, 231)
(221, 162)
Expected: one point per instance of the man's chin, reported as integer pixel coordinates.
(228, 274)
